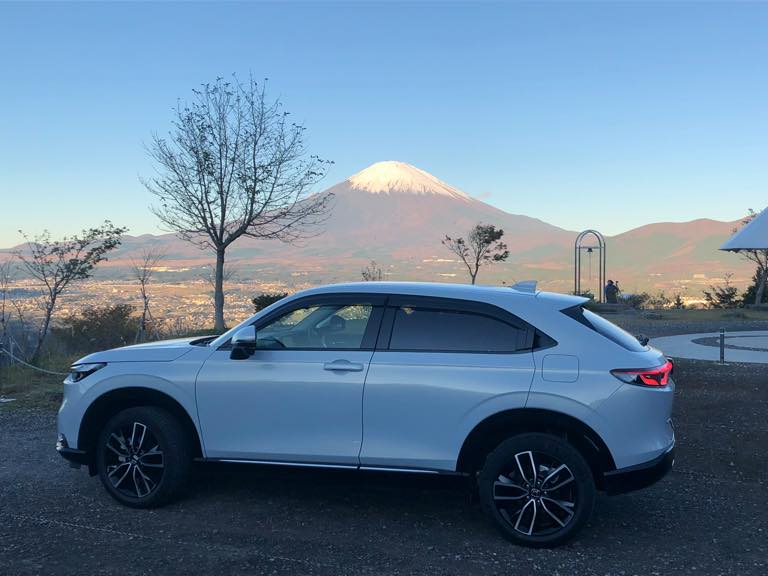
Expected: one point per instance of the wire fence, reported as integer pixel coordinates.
(28, 365)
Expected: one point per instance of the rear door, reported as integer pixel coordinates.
(439, 367)
(298, 398)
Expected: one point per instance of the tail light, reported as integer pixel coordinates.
(655, 377)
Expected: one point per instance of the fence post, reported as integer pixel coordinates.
(722, 345)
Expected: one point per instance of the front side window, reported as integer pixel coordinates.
(326, 326)
(430, 330)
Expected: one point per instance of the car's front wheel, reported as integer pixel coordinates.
(143, 457)
(538, 489)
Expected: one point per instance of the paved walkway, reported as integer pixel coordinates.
(749, 347)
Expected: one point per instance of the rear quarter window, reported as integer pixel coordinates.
(605, 328)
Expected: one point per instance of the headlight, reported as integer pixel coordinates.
(80, 371)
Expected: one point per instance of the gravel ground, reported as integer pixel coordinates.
(707, 517)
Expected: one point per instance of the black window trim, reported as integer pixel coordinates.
(451, 305)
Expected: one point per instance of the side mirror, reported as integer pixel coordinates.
(243, 343)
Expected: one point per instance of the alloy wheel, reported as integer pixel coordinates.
(536, 494)
(134, 460)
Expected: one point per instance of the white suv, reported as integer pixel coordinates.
(541, 400)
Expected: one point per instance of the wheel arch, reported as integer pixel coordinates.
(493, 430)
(118, 399)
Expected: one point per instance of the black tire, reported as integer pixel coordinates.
(143, 457)
(540, 509)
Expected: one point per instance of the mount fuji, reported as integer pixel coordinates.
(397, 214)
(396, 211)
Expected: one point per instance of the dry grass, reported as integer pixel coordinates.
(32, 388)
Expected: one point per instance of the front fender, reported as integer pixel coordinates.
(173, 379)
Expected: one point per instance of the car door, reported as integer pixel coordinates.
(441, 366)
(298, 398)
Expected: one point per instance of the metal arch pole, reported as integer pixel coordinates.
(578, 271)
(603, 256)
(602, 272)
(577, 263)
(602, 264)
(575, 266)
(577, 288)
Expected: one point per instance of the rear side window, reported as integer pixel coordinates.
(605, 328)
(433, 330)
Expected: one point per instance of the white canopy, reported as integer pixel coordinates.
(754, 236)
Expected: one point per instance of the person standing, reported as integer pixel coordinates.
(612, 292)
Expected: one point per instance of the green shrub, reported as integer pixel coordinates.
(751, 292)
(97, 328)
(725, 296)
(263, 300)
(585, 294)
(637, 301)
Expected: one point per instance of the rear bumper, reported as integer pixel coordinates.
(638, 476)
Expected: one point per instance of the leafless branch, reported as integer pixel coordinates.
(235, 165)
(142, 269)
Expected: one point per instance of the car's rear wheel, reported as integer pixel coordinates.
(538, 490)
(142, 457)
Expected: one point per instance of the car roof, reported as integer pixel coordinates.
(480, 293)
(443, 290)
(463, 291)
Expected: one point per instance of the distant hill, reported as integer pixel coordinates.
(397, 214)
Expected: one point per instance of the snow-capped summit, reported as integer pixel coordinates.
(398, 177)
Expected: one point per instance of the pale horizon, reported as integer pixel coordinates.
(584, 115)
(157, 231)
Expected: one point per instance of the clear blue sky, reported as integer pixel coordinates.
(606, 115)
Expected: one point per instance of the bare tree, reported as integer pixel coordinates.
(13, 320)
(372, 272)
(6, 306)
(142, 269)
(759, 258)
(6, 279)
(234, 165)
(228, 274)
(482, 246)
(58, 263)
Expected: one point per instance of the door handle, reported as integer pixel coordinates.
(343, 366)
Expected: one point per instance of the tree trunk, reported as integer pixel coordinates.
(761, 279)
(218, 292)
(43, 330)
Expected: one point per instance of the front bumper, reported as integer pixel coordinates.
(76, 458)
(638, 476)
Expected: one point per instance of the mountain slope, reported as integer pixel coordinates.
(407, 216)
(398, 214)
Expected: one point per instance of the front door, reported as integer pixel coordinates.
(298, 398)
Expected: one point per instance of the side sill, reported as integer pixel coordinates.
(333, 466)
